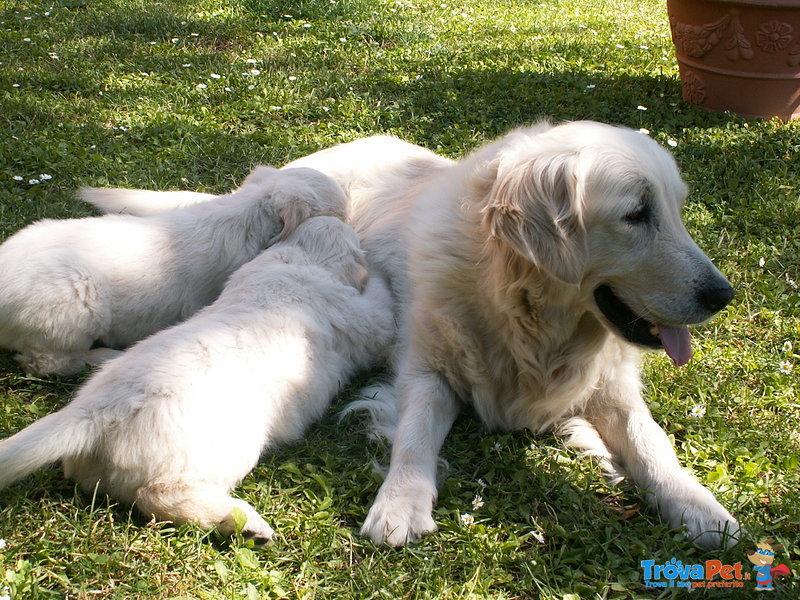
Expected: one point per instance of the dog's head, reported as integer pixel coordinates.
(599, 207)
(295, 195)
(332, 244)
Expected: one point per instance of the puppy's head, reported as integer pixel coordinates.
(332, 244)
(295, 195)
(599, 207)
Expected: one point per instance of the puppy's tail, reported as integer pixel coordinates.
(68, 432)
(139, 202)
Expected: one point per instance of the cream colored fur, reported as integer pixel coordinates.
(180, 418)
(109, 281)
(494, 261)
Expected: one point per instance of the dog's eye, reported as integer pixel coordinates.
(638, 215)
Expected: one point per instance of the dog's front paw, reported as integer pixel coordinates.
(711, 527)
(707, 522)
(399, 519)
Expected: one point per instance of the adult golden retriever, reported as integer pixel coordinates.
(527, 278)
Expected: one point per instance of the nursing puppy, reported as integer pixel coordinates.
(67, 286)
(180, 418)
(529, 276)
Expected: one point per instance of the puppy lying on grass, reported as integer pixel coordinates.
(176, 421)
(72, 289)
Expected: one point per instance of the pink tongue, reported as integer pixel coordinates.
(677, 343)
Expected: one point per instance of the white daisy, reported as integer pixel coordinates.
(477, 502)
(467, 519)
(787, 346)
(786, 367)
(698, 411)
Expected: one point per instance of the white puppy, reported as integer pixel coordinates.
(67, 286)
(180, 418)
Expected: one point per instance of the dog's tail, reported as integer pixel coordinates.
(139, 202)
(68, 432)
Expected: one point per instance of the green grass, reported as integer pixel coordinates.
(97, 93)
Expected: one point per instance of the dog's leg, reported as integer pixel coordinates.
(46, 362)
(402, 511)
(635, 441)
(97, 356)
(206, 505)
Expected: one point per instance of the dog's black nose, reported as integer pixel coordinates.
(716, 298)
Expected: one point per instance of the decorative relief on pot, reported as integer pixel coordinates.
(694, 88)
(698, 40)
(774, 36)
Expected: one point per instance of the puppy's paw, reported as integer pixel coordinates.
(399, 519)
(244, 518)
(260, 532)
(43, 363)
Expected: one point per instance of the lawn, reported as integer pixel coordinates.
(190, 95)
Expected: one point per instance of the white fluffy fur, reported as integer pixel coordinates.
(180, 418)
(493, 261)
(110, 281)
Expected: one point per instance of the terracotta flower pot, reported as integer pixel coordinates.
(739, 55)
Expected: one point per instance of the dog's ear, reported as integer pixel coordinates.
(533, 206)
(291, 211)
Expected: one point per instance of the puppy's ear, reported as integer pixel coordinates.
(291, 211)
(533, 207)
